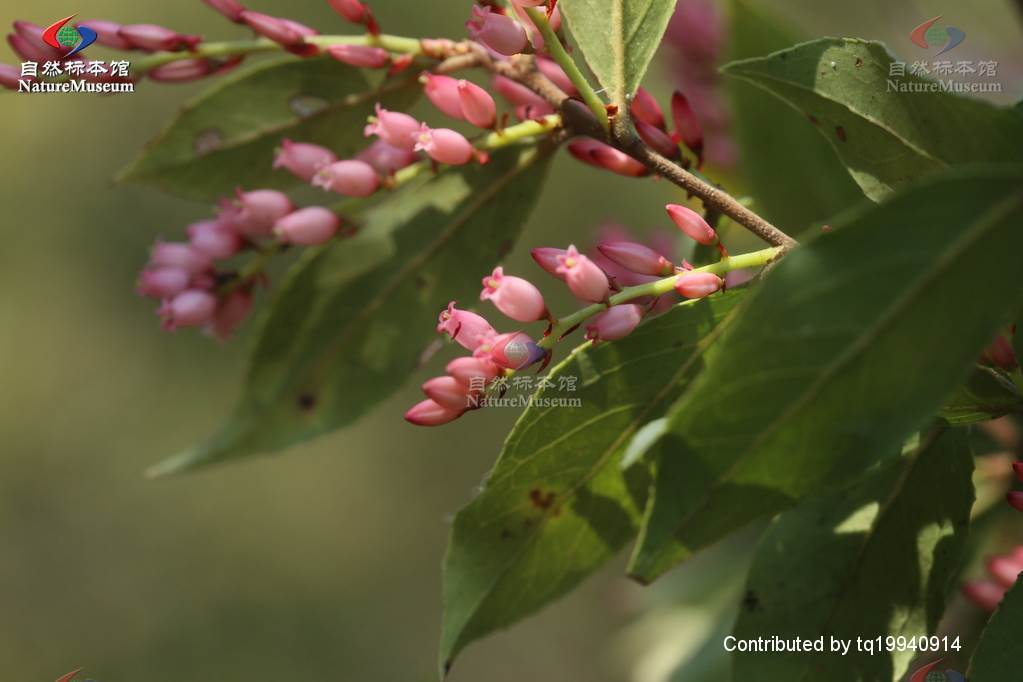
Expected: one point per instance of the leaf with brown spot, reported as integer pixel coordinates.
(351, 321)
(559, 476)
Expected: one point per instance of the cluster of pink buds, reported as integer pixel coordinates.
(402, 131)
(460, 99)
(29, 43)
(1003, 569)
(450, 396)
(592, 280)
(184, 275)
(650, 124)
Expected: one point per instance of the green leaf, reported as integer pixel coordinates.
(226, 137)
(987, 394)
(843, 350)
(874, 559)
(348, 326)
(794, 175)
(618, 39)
(557, 504)
(885, 138)
(997, 656)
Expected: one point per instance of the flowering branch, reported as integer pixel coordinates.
(754, 259)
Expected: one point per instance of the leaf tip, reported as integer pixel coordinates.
(174, 465)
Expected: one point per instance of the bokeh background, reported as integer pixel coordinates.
(322, 563)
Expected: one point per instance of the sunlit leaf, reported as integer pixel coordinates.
(618, 38)
(886, 138)
(845, 348)
(873, 560)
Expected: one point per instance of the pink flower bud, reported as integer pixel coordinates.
(162, 282)
(393, 127)
(232, 9)
(547, 258)
(274, 28)
(615, 322)
(687, 126)
(645, 108)
(28, 51)
(27, 43)
(477, 105)
(448, 392)
(444, 145)
(107, 33)
(352, 10)
(290, 34)
(153, 38)
(231, 311)
(556, 75)
(351, 178)
(984, 593)
(514, 350)
(255, 213)
(303, 159)
(176, 255)
(1000, 353)
(442, 91)
(386, 158)
(214, 238)
(498, 32)
(637, 258)
(471, 370)
(363, 56)
(698, 284)
(515, 297)
(1015, 499)
(692, 224)
(596, 153)
(518, 94)
(190, 308)
(9, 76)
(468, 329)
(529, 3)
(1004, 569)
(658, 140)
(307, 226)
(429, 413)
(587, 281)
(182, 71)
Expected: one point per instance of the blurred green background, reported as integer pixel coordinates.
(323, 563)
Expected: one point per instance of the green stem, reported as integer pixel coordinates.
(489, 142)
(659, 287)
(568, 65)
(234, 48)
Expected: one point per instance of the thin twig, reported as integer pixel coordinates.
(712, 197)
